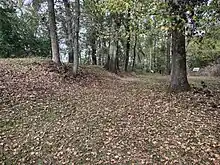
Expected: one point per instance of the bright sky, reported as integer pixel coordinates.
(27, 2)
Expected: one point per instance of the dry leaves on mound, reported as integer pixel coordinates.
(99, 118)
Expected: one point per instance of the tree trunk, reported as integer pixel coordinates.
(89, 57)
(179, 80)
(107, 63)
(53, 32)
(168, 53)
(127, 53)
(94, 49)
(111, 64)
(105, 52)
(76, 39)
(135, 48)
(94, 60)
(69, 30)
(117, 55)
(128, 40)
(100, 52)
(154, 54)
(150, 59)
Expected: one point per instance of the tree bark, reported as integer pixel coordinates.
(94, 59)
(112, 63)
(154, 67)
(76, 39)
(127, 52)
(179, 80)
(53, 33)
(100, 52)
(94, 49)
(69, 30)
(89, 57)
(105, 52)
(168, 70)
(117, 55)
(135, 48)
(127, 27)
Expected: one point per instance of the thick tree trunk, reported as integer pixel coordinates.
(111, 64)
(69, 30)
(168, 52)
(76, 39)
(179, 80)
(53, 32)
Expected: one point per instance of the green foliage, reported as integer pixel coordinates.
(202, 59)
(18, 37)
(205, 50)
(8, 35)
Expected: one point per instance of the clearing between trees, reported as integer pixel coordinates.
(49, 117)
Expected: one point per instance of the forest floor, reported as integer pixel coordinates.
(49, 117)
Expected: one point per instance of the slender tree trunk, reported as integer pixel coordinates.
(141, 51)
(128, 40)
(105, 52)
(69, 30)
(168, 70)
(94, 59)
(100, 52)
(53, 32)
(94, 49)
(107, 63)
(127, 52)
(76, 39)
(154, 49)
(154, 54)
(135, 48)
(89, 57)
(179, 80)
(117, 55)
(150, 60)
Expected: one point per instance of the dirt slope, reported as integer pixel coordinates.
(49, 117)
